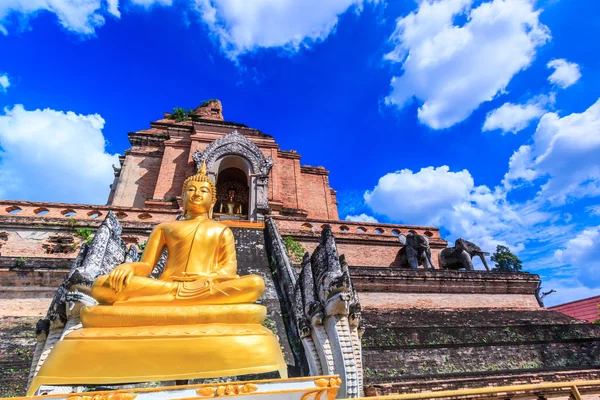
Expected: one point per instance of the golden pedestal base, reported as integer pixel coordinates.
(127, 316)
(160, 353)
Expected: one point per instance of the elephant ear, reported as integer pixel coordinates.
(426, 239)
(402, 239)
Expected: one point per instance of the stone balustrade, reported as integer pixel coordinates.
(67, 211)
(351, 227)
(83, 211)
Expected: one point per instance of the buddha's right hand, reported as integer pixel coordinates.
(120, 276)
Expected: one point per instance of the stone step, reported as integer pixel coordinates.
(407, 363)
(475, 317)
(390, 338)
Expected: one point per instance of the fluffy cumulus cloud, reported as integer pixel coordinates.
(563, 155)
(452, 69)
(244, 26)
(565, 73)
(583, 251)
(512, 117)
(4, 83)
(49, 155)
(361, 218)
(440, 197)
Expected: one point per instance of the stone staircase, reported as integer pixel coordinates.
(408, 350)
(252, 259)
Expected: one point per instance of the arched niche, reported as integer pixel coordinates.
(236, 151)
(233, 173)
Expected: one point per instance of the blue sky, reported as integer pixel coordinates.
(480, 117)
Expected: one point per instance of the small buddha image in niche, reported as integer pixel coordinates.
(230, 206)
(232, 200)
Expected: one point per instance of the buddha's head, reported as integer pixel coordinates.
(231, 194)
(199, 193)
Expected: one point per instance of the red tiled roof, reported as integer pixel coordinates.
(585, 309)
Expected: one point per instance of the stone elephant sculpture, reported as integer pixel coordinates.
(414, 252)
(461, 256)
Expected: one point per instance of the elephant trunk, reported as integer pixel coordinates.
(482, 256)
(428, 262)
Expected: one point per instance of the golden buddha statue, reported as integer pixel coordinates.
(201, 267)
(197, 320)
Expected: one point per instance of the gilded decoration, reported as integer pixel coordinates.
(226, 390)
(327, 386)
(232, 198)
(105, 396)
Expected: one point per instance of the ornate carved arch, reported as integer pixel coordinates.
(237, 144)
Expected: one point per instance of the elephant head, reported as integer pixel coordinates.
(472, 249)
(420, 244)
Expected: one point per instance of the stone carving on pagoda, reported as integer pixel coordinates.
(106, 251)
(236, 144)
(461, 255)
(325, 317)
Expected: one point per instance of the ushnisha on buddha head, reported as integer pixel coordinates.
(199, 194)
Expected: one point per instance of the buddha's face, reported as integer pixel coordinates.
(198, 197)
(231, 195)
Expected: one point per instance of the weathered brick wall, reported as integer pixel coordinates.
(291, 186)
(17, 341)
(447, 300)
(174, 169)
(397, 288)
(137, 178)
(314, 193)
(412, 345)
(285, 172)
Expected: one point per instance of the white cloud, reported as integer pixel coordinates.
(113, 8)
(4, 83)
(583, 251)
(452, 69)
(361, 218)
(413, 197)
(565, 152)
(78, 16)
(565, 73)
(594, 210)
(512, 117)
(515, 117)
(150, 3)
(50, 155)
(440, 197)
(245, 26)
